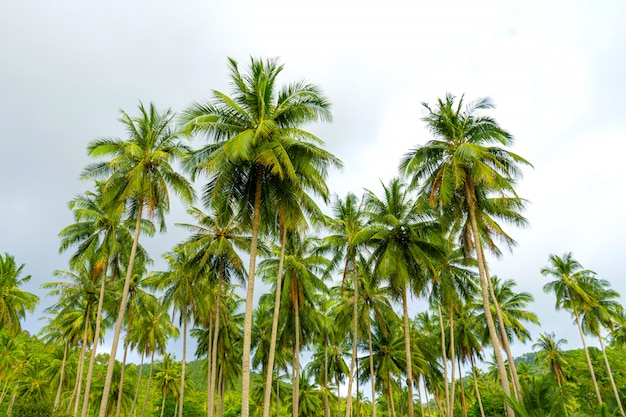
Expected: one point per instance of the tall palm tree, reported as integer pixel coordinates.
(138, 175)
(14, 302)
(256, 136)
(403, 250)
(573, 288)
(460, 161)
(214, 240)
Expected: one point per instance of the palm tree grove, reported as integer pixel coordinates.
(298, 301)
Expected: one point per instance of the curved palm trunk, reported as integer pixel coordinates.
(355, 329)
(608, 367)
(296, 365)
(372, 377)
(591, 371)
(247, 329)
(145, 400)
(444, 355)
(57, 399)
(182, 372)
(96, 337)
(132, 407)
(81, 363)
(504, 337)
(118, 408)
(120, 316)
(163, 402)
(409, 362)
(493, 335)
(478, 398)
(213, 367)
(270, 360)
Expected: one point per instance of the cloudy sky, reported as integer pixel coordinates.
(555, 71)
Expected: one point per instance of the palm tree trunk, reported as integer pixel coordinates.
(493, 335)
(409, 361)
(279, 281)
(182, 371)
(247, 326)
(393, 406)
(478, 398)
(209, 355)
(326, 399)
(419, 397)
(96, 337)
(444, 356)
(120, 316)
(608, 367)
(81, 362)
(120, 392)
(427, 399)
(145, 400)
(591, 371)
(504, 337)
(355, 329)
(296, 364)
(163, 401)
(452, 360)
(132, 407)
(57, 399)
(218, 307)
(372, 375)
(463, 402)
(338, 397)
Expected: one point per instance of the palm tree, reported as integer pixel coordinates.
(14, 302)
(138, 175)
(348, 237)
(256, 136)
(214, 241)
(167, 378)
(459, 163)
(552, 355)
(402, 252)
(574, 290)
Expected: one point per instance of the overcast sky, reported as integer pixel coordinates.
(555, 71)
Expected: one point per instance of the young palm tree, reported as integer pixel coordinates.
(14, 302)
(256, 137)
(552, 355)
(402, 252)
(139, 175)
(459, 162)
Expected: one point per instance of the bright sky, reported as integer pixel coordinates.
(554, 69)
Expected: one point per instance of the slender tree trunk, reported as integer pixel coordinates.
(120, 392)
(216, 331)
(296, 363)
(272, 352)
(221, 389)
(57, 399)
(452, 360)
(132, 407)
(484, 286)
(182, 372)
(145, 400)
(438, 402)
(96, 337)
(463, 402)
(591, 371)
(338, 397)
(10, 408)
(372, 375)
(4, 391)
(81, 363)
(478, 398)
(419, 397)
(120, 316)
(407, 341)
(163, 401)
(393, 406)
(444, 356)
(355, 330)
(608, 367)
(326, 399)
(209, 363)
(427, 398)
(504, 337)
(247, 328)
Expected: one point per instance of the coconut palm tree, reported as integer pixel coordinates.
(574, 289)
(403, 250)
(139, 174)
(14, 302)
(460, 161)
(256, 137)
(552, 355)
